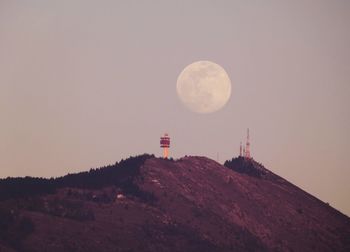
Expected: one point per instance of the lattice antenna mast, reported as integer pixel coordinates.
(240, 149)
(247, 149)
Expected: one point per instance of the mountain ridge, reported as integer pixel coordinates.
(191, 204)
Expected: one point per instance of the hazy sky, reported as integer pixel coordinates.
(86, 83)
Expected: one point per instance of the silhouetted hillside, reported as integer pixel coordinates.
(151, 204)
(120, 174)
(12, 188)
(247, 166)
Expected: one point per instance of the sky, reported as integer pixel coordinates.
(87, 83)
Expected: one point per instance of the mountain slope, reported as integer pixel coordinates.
(192, 204)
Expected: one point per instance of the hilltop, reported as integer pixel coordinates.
(148, 204)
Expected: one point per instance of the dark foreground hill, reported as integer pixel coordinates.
(150, 204)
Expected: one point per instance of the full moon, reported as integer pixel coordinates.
(204, 87)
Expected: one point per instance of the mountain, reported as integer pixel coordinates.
(151, 204)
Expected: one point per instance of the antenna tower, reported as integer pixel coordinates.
(247, 149)
(240, 150)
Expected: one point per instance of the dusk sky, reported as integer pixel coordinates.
(85, 83)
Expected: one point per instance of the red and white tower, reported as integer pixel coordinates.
(165, 144)
(247, 148)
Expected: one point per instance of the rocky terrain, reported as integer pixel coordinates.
(150, 204)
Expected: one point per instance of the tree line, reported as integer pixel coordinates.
(121, 174)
